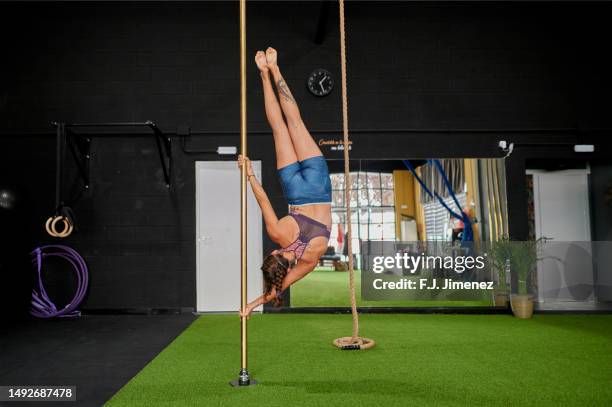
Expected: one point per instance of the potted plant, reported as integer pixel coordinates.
(500, 255)
(523, 261)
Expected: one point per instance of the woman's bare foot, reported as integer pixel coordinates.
(262, 63)
(271, 57)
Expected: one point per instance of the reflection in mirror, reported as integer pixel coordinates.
(568, 209)
(443, 200)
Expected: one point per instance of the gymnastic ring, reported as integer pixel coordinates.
(67, 227)
(48, 226)
(350, 343)
(66, 231)
(54, 231)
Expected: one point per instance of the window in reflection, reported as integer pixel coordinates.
(373, 209)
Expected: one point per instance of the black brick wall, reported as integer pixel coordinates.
(411, 66)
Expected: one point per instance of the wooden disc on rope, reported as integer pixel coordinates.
(350, 343)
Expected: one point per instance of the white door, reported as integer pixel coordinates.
(562, 214)
(218, 237)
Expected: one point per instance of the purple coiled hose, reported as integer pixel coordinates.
(42, 306)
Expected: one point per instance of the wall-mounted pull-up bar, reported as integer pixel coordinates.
(79, 145)
(76, 141)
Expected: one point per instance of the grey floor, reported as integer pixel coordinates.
(96, 353)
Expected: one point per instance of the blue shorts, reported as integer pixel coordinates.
(306, 182)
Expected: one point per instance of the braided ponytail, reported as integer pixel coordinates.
(274, 268)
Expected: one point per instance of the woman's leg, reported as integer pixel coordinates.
(285, 153)
(303, 143)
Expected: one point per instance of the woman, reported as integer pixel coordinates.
(304, 233)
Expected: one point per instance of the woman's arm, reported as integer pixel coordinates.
(262, 299)
(295, 274)
(269, 216)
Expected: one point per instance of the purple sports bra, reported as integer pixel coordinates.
(309, 229)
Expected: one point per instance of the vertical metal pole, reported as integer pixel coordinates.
(244, 378)
(243, 190)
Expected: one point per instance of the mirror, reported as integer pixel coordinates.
(441, 200)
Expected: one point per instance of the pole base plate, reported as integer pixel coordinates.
(237, 383)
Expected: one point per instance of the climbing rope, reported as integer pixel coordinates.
(353, 342)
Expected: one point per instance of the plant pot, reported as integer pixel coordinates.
(501, 299)
(522, 305)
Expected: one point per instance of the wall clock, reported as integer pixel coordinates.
(320, 82)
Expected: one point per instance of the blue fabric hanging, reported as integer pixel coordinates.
(468, 232)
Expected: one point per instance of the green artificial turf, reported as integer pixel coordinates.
(419, 360)
(328, 288)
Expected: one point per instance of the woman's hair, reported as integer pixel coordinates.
(274, 268)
